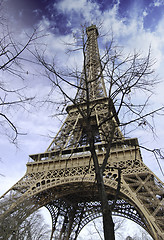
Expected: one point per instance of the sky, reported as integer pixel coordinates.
(136, 24)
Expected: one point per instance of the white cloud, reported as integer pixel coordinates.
(145, 13)
(79, 11)
(130, 31)
(158, 3)
(69, 5)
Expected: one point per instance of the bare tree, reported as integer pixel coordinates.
(125, 76)
(14, 51)
(32, 228)
(143, 236)
(95, 229)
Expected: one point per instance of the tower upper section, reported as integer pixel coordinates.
(91, 83)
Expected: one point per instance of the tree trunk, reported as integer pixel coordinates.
(108, 225)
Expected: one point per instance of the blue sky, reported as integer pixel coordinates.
(65, 15)
(136, 24)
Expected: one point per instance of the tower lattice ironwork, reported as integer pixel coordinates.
(63, 177)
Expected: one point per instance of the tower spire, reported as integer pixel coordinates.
(92, 81)
(91, 92)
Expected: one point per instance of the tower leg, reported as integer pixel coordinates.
(54, 224)
(79, 223)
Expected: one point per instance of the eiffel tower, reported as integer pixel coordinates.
(63, 177)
